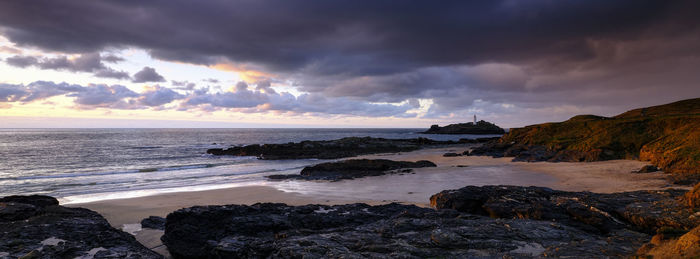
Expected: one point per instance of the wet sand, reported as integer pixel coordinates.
(411, 188)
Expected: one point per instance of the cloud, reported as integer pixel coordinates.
(104, 96)
(38, 90)
(147, 74)
(184, 85)
(157, 96)
(89, 63)
(21, 61)
(264, 99)
(10, 50)
(531, 55)
(240, 98)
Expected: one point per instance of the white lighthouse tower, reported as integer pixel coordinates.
(474, 119)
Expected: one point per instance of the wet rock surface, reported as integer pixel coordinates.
(354, 168)
(483, 222)
(37, 227)
(333, 149)
(647, 169)
(385, 231)
(153, 222)
(644, 211)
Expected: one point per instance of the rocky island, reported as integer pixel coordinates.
(667, 135)
(480, 127)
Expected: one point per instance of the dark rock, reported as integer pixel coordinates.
(644, 211)
(481, 127)
(450, 154)
(385, 231)
(153, 222)
(45, 230)
(647, 169)
(40, 201)
(330, 149)
(353, 168)
(534, 153)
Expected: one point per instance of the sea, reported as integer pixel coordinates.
(83, 165)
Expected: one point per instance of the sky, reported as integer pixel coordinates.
(288, 63)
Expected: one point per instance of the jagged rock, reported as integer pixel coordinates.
(685, 244)
(647, 169)
(153, 222)
(42, 229)
(330, 149)
(669, 142)
(533, 153)
(692, 197)
(353, 168)
(451, 154)
(385, 231)
(481, 127)
(644, 211)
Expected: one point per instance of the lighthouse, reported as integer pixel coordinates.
(474, 119)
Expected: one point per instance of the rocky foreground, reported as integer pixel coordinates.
(333, 149)
(482, 222)
(37, 227)
(665, 135)
(353, 168)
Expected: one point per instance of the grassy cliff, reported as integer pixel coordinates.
(666, 135)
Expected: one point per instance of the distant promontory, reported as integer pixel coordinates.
(480, 127)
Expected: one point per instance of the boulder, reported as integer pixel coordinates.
(647, 169)
(353, 168)
(153, 222)
(40, 228)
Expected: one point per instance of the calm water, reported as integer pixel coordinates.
(91, 164)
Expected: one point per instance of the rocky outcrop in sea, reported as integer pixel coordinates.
(333, 149)
(482, 222)
(481, 127)
(37, 227)
(353, 168)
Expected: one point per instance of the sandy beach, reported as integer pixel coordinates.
(411, 188)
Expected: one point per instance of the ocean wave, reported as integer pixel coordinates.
(132, 171)
(147, 147)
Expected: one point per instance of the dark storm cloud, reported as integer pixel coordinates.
(147, 74)
(89, 63)
(21, 61)
(529, 53)
(330, 37)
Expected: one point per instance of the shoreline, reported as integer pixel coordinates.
(413, 188)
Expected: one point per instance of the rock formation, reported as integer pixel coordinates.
(481, 127)
(331, 149)
(353, 168)
(37, 227)
(490, 222)
(666, 135)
